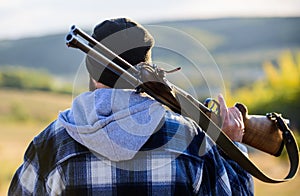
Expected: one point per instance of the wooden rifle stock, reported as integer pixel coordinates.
(261, 131)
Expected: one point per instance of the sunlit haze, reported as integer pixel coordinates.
(19, 18)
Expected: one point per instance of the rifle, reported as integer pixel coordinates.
(268, 133)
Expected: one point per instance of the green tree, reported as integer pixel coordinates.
(21, 78)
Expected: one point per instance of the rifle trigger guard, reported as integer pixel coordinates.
(213, 105)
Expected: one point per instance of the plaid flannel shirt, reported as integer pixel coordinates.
(55, 164)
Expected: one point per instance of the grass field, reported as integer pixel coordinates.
(36, 109)
(23, 115)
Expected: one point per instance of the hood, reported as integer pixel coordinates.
(114, 123)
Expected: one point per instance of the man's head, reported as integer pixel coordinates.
(126, 38)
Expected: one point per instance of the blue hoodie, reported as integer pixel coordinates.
(113, 123)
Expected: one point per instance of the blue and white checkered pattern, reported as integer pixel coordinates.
(55, 164)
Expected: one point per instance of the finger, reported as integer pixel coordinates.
(236, 113)
(223, 106)
(240, 119)
(239, 124)
(234, 121)
(232, 113)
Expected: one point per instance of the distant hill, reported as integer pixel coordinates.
(235, 43)
(247, 33)
(48, 53)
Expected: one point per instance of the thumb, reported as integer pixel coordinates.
(223, 106)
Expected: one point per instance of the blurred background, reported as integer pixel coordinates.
(251, 52)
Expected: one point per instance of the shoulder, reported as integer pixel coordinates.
(54, 146)
(176, 134)
(173, 119)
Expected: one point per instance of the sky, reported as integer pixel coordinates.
(28, 18)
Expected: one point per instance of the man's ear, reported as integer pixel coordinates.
(92, 84)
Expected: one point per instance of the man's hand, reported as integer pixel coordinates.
(233, 124)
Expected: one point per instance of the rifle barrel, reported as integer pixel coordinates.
(102, 49)
(73, 41)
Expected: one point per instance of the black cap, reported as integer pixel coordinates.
(126, 38)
